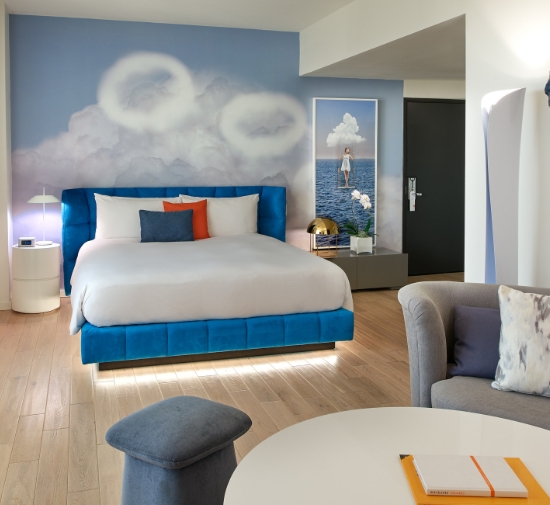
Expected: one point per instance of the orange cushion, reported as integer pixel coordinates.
(200, 221)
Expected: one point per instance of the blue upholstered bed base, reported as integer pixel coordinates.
(142, 341)
(122, 343)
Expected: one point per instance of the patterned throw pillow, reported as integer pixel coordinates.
(524, 364)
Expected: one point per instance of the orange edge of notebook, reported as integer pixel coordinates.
(483, 475)
(537, 496)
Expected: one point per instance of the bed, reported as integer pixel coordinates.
(226, 296)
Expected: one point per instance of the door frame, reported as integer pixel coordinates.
(404, 187)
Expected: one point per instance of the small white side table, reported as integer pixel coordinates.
(35, 278)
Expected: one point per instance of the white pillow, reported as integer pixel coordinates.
(118, 217)
(524, 364)
(230, 216)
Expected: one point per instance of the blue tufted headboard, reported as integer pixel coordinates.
(78, 212)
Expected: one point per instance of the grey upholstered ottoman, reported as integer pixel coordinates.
(178, 451)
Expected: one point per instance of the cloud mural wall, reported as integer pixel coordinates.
(122, 106)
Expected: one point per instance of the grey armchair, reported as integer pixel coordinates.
(428, 308)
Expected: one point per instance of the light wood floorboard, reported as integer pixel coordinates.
(10, 407)
(54, 411)
(19, 485)
(83, 474)
(90, 497)
(51, 484)
(5, 452)
(26, 446)
(111, 465)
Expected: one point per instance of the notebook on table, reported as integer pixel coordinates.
(432, 467)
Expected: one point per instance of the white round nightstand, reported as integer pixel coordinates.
(35, 278)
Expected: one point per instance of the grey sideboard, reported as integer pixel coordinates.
(383, 268)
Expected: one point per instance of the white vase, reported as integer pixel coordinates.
(360, 245)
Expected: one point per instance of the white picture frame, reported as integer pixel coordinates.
(326, 158)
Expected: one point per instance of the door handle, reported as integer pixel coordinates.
(412, 194)
(412, 201)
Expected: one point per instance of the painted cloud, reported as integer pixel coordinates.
(345, 133)
(263, 124)
(147, 92)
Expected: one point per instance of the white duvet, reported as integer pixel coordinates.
(122, 281)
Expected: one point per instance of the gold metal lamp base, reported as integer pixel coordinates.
(328, 228)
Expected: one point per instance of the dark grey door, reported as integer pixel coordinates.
(434, 144)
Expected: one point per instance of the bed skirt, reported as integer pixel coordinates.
(142, 341)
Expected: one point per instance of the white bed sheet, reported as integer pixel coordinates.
(121, 281)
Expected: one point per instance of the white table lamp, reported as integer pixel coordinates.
(43, 199)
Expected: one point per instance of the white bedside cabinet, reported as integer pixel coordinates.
(35, 278)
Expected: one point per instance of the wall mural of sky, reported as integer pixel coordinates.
(108, 103)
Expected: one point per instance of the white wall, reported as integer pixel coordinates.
(416, 88)
(5, 163)
(365, 24)
(508, 46)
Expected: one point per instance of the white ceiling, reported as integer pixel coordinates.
(438, 52)
(283, 15)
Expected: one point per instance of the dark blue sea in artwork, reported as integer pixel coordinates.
(335, 202)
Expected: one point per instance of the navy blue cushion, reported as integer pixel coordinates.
(166, 226)
(177, 432)
(477, 336)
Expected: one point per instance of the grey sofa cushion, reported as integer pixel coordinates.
(179, 431)
(476, 395)
(477, 334)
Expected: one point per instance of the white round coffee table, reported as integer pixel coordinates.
(353, 457)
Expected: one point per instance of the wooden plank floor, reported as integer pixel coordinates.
(54, 411)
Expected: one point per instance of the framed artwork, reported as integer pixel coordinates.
(345, 158)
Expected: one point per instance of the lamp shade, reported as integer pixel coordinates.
(43, 199)
(323, 226)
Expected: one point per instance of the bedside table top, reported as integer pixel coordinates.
(346, 253)
(34, 248)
